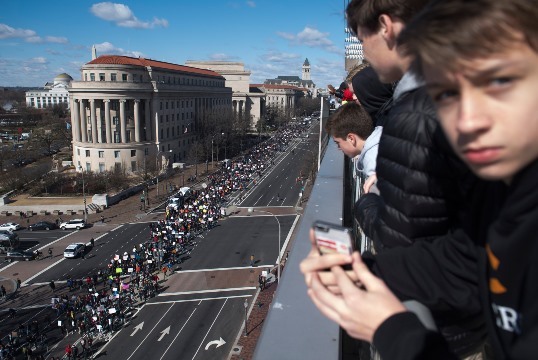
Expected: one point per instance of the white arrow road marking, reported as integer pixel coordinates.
(164, 332)
(219, 343)
(138, 327)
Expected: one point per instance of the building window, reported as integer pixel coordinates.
(117, 166)
(113, 77)
(116, 137)
(101, 167)
(133, 153)
(161, 106)
(101, 154)
(133, 165)
(161, 118)
(92, 77)
(124, 77)
(166, 118)
(78, 152)
(162, 133)
(101, 76)
(87, 153)
(115, 120)
(116, 154)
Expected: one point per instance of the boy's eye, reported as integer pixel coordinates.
(501, 81)
(444, 95)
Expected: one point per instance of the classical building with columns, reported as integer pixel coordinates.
(244, 102)
(54, 93)
(129, 112)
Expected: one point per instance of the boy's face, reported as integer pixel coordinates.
(382, 57)
(489, 110)
(351, 146)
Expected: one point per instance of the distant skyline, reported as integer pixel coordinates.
(41, 39)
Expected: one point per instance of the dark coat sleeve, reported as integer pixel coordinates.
(442, 274)
(403, 337)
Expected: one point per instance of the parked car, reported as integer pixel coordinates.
(11, 226)
(20, 255)
(74, 250)
(73, 224)
(42, 225)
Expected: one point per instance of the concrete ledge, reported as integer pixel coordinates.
(44, 212)
(5, 213)
(56, 212)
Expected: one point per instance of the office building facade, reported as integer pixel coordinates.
(127, 112)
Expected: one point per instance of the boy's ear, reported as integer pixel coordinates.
(388, 30)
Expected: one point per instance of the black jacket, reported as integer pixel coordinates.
(507, 270)
(417, 172)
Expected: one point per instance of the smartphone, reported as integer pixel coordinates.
(331, 238)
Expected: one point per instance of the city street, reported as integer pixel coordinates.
(201, 310)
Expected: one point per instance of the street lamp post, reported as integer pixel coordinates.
(159, 167)
(84, 195)
(245, 305)
(251, 210)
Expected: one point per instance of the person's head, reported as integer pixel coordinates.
(349, 78)
(480, 62)
(377, 24)
(370, 92)
(349, 127)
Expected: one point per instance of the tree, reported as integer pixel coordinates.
(306, 106)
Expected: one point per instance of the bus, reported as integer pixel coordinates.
(8, 242)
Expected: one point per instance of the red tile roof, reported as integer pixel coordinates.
(126, 60)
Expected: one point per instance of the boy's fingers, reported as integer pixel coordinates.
(320, 263)
(364, 275)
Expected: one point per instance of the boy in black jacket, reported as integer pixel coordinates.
(480, 62)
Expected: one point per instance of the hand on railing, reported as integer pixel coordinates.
(369, 183)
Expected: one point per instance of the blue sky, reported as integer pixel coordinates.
(41, 39)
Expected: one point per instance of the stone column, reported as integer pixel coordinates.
(148, 120)
(123, 126)
(137, 119)
(108, 125)
(94, 121)
(83, 128)
(75, 121)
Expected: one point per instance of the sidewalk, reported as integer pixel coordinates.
(125, 211)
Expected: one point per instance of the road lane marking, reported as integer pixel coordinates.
(162, 317)
(199, 299)
(207, 291)
(180, 330)
(25, 282)
(223, 269)
(208, 330)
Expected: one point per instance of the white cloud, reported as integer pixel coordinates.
(107, 48)
(222, 57)
(56, 39)
(7, 32)
(30, 36)
(280, 57)
(38, 60)
(251, 4)
(123, 16)
(312, 38)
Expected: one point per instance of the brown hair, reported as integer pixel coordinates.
(355, 70)
(449, 32)
(365, 13)
(350, 118)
